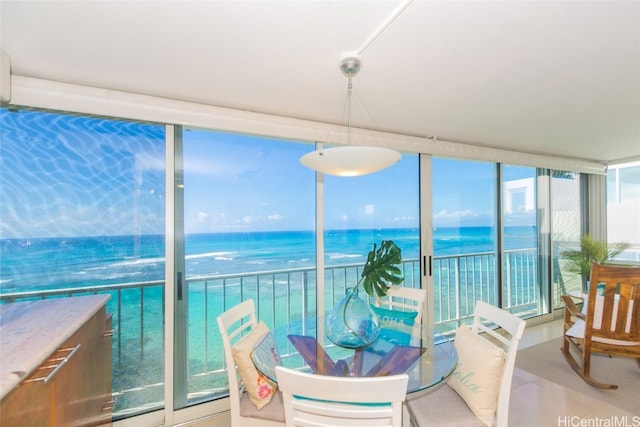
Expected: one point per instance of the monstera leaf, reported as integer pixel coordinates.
(382, 269)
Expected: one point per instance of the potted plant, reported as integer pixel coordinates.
(591, 250)
(352, 323)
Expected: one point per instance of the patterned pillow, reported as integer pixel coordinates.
(478, 374)
(259, 387)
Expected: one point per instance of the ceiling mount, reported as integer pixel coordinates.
(350, 63)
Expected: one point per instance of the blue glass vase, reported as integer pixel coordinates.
(352, 323)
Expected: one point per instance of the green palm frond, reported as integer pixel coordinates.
(591, 250)
(381, 268)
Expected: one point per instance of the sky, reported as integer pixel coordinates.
(262, 184)
(74, 176)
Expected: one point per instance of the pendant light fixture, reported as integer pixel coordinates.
(355, 160)
(350, 160)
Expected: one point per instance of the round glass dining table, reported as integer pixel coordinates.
(426, 357)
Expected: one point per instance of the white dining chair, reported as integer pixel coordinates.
(234, 324)
(319, 400)
(486, 358)
(404, 298)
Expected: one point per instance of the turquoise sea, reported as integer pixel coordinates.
(36, 264)
(30, 264)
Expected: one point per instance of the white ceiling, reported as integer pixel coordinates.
(548, 77)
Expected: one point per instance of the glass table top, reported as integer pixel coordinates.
(427, 358)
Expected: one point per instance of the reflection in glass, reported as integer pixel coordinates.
(566, 230)
(83, 209)
(360, 211)
(521, 283)
(248, 233)
(464, 239)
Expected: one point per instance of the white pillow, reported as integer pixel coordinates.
(259, 387)
(478, 373)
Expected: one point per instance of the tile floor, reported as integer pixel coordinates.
(536, 402)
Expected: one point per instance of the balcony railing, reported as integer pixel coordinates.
(280, 296)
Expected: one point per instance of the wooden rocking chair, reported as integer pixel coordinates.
(609, 322)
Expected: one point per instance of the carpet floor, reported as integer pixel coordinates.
(547, 361)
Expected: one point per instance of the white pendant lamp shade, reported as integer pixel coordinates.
(350, 160)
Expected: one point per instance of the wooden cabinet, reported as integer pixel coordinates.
(29, 406)
(72, 387)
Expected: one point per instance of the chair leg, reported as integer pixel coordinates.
(583, 368)
(566, 342)
(566, 352)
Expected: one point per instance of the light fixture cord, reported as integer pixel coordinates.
(350, 86)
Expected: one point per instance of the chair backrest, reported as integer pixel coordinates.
(487, 315)
(613, 305)
(233, 324)
(404, 298)
(318, 400)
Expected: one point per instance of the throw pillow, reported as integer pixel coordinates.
(395, 325)
(259, 388)
(478, 373)
(391, 318)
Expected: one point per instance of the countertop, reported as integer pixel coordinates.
(31, 331)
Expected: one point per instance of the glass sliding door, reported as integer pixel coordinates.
(365, 210)
(566, 230)
(520, 275)
(249, 218)
(464, 239)
(623, 208)
(82, 205)
(83, 208)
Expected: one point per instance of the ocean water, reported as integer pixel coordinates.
(138, 350)
(51, 263)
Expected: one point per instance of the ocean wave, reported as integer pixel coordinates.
(134, 262)
(225, 255)
(341, 256)
(293, 261)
